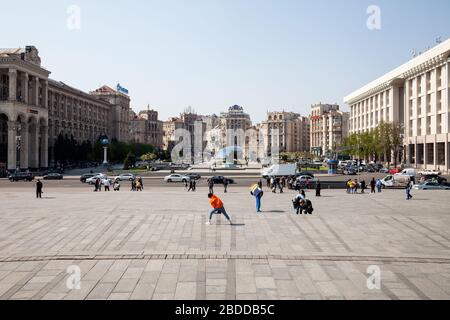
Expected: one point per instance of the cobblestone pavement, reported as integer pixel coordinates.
(155, 245)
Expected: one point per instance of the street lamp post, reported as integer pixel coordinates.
(18, 140)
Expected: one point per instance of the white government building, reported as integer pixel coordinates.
(416, 95)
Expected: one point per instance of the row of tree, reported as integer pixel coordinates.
(383, 143)
(68, 150)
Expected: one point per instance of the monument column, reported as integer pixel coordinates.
(24, 146)
(12, 133)
(12, 85)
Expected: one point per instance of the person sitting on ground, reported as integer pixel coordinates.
(296, 202)
(218, 208)
(306, 205)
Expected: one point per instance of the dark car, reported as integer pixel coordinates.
(305, 173)
(350, 171)
(86, 176)
(53, 176)
(221, 179)
(193, 176)
(21, 176)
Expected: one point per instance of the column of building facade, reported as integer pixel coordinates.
(24, 146)
(25, 84)
(34, 150)
(446, 106)
(36, 91)
(12, 134)
(12, 85)
(44, 146)
(45, 94)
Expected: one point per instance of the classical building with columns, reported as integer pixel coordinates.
(35, 110)
(416, 95)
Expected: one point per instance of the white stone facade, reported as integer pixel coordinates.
(416, 95)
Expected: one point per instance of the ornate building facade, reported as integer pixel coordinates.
(329, 126)
(146, 128)
(35, 110)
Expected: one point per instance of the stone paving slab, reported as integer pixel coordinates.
(155, 245)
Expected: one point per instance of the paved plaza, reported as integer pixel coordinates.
(155, 245)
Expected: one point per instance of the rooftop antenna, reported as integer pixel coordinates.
(438, 40)
(414, 53)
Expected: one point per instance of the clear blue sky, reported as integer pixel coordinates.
(212, 54)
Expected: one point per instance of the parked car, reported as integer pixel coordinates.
(221, 179)
(94, 178)
(309, 174)
(21, 176)
(384, 170)
(350, 171)
(429, 185)
(53, 176)
(86, 176)
(125, 177)
(177, 178)
(193, 176)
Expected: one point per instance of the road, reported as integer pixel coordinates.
(242, 179)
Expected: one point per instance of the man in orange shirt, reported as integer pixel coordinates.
(218, 208)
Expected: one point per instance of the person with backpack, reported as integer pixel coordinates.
(306, 205)
(218, 208)
(296, 202)
(258, 193)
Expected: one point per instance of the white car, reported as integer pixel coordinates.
(125, 177)
(92, 180)
(177, 178)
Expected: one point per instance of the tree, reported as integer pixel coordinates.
(130, 160)
(149, 157)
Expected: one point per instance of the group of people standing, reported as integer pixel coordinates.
(137, 184)
(353, 186)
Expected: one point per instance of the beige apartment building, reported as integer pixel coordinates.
(287, 131)
(416, 95)
(146, 128)
(35, 110)
(329, 126)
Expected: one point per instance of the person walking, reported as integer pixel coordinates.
(194, 186)
(356, 187)
(258, 193)
(408, 190)
(373, 184)
(363, 186)
(318, 188)
(133, 185)
(218, 208)
(211, 185)
(107, 184)
(379, 185)
(268, 182)
(116, 185)
(39, 187)
(98, 185)
(141, 183)
(225, 185)
(191, 186)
